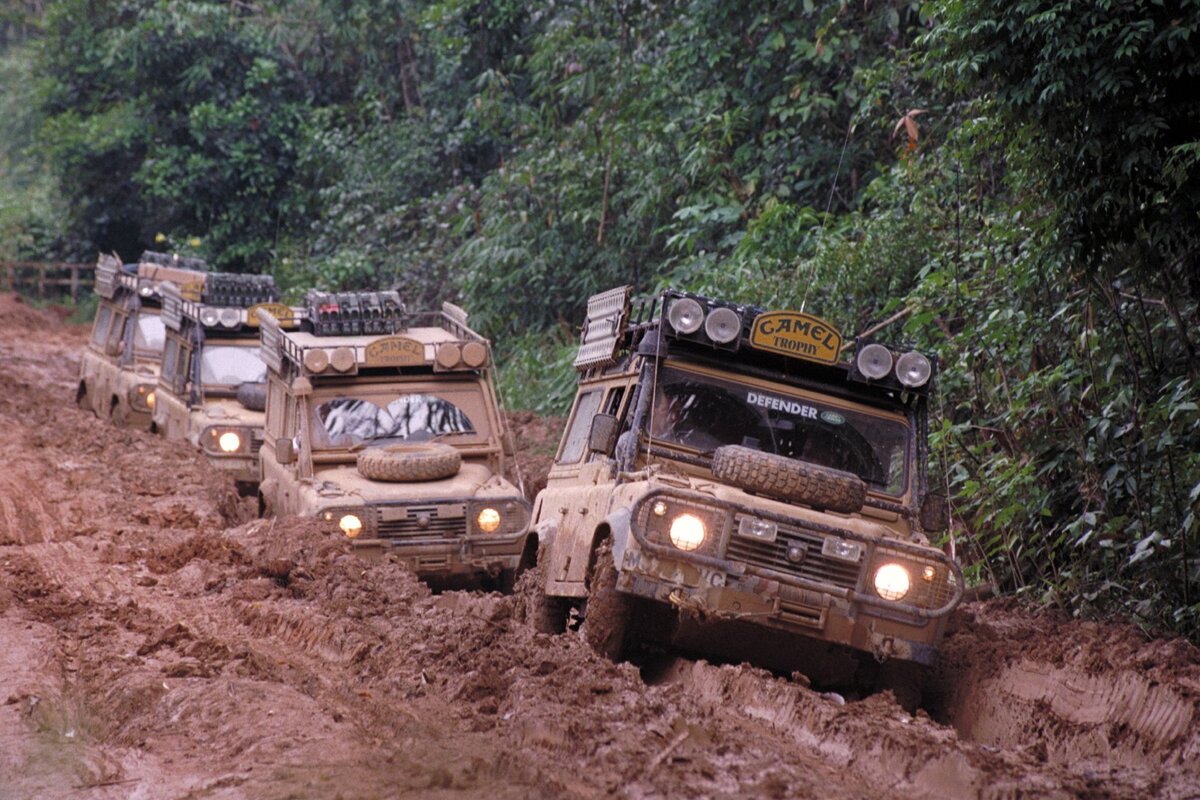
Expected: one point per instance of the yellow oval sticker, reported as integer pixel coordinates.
(283, 314)
(394, 351)
(798, 335)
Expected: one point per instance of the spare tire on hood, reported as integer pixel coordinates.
(427, 461)
(784, 478)
(253, 396)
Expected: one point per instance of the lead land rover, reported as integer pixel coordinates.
(387, 426)
(724, 462)
(119, 367)
(212, 382)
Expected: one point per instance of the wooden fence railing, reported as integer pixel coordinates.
(45, 278)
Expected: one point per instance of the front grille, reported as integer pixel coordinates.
(420, 524)
(256, 442)
(773, 555)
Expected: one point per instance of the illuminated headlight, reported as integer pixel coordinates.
(687, 532)
(225, 441)
(351, 525)
(913, 370)
(892, 581)
(685, 315)
(141, 397)
(488, 520)
(209, 317)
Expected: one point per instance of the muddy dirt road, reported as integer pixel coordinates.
(158, 641)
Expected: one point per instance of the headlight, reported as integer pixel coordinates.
(687, 532)
(892, 581)
(488, 520)
(225, 440)
(141, 397)
(351, 525)
(229, 442)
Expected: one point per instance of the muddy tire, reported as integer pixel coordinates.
(428, 461)
(905, 680)
(543, 612)
(787, 479)
(253, 396)
(608, 612)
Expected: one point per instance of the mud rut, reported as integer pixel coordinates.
(157, 641)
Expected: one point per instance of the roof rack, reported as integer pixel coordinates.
(373, 335)
(178, 307)
(173, 260)
(354, 313)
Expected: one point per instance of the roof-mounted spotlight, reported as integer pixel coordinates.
(913, 370)
(874, 361)
(723, 325)
(685, 315)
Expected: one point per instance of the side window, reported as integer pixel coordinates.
(103, 319)
(581, 424)
(275, 408)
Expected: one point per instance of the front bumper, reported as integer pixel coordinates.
(437, 538)
(242, 470)
(731, 580)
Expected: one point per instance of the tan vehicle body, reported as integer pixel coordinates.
(118, 371)
(189, 407)
(428, 524)
(794, 582)
(174, 419)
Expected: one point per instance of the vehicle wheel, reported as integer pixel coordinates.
(82, 399)
(543, 612)
(429, 461)
(905, 680)
(117, 414)
(787, 479)
(607, 612)
(252, 396)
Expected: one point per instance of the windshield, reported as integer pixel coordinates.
(702, 413)
(350, 421)
(149, 334)
(230, 365)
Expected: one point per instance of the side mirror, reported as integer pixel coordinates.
(603, 436)
(935, 513)
(285, 450)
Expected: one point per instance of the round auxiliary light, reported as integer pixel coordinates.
(316, 360)
(892, 581)
(723, 325)
(448, 355)
(351, 525)
(488, 520)
(685, 315)
(342, 359)
(474, 354)
(874, 361)
(687, 532)
(230, 317)
(151, 397)
(913, 370)
(209, 317)
(229, 442)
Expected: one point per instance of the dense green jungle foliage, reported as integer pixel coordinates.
(1014, 184)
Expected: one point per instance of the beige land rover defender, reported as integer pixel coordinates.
(728, 484)
(212, 381)
(386, 425)
(119, 367)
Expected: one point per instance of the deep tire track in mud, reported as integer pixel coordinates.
(157, 641)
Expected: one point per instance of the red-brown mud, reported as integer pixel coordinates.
(158, 641)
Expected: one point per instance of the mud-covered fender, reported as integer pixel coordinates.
(546, 530)
(618, 526)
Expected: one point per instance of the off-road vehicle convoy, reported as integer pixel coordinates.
(727, 481)
(119, 367)
(212, 381)
(386, 425)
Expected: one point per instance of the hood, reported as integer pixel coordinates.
(472, 480)
(227, 411)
